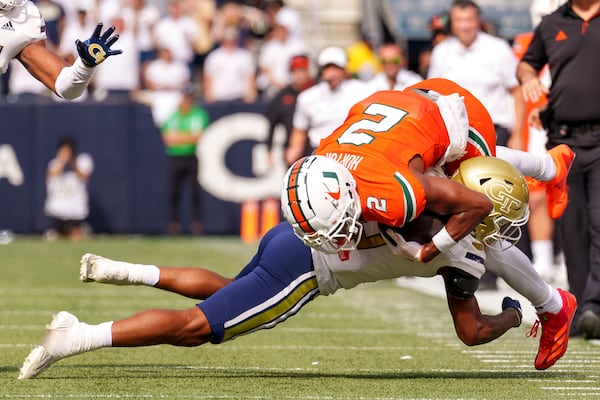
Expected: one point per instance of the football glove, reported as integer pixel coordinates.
(400, 247)
(94, 50)
(507, 303)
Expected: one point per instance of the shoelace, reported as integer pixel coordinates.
(534, 329)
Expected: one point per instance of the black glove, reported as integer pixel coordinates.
(95, 50)
(507, 303)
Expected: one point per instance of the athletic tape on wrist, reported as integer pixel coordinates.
(442, 240)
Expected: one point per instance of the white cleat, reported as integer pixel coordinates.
(61, 341)
(95, 268)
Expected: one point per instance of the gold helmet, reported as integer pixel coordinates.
(505, 186)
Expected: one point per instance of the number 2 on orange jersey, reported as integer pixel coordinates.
(355, 133)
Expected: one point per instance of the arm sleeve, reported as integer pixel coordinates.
(536, 52)
(72, 81)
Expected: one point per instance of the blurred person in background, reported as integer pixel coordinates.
(202, 12)
(142, 16)
(363, 62)
(485, 65)
(54, 16)
(321, 108)
(26, 42)
(395, 75)
(280, 110)
(567, 40)
(112, 81)
(230, 71)
(75, 28)
(177, 32)
(66, 191)
(165, 79)
(274, 57)
(276, 9)
(181, 133)
(439, 27)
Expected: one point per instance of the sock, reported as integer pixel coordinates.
(553, 305)
(143, 274)
(536, 166)
(92, 337)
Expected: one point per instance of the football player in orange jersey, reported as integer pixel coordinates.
(388, 143)
(391, 138)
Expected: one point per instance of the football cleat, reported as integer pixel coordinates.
(555, 332)
(100, 269)
(61, 341)
(557, 191)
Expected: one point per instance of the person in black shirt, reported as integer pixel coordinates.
(569, 41)
(280, 110)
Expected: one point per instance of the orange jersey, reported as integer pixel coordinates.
(385, 131)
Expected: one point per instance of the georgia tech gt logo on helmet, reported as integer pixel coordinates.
(500, 192)
(505, 186)
(320, 201)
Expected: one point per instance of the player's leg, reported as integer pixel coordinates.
(551, 168)
(196, 283)
(555, 307)
(66, 336)
(471, 325)
(281, 281)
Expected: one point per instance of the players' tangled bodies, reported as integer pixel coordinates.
(343, 212)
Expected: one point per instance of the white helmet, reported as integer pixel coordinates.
(320, 201)
(6, 5)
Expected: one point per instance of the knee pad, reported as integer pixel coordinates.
(460, 284)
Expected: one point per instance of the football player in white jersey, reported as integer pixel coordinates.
(22, 37)
(280, 279)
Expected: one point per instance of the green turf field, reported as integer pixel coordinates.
(376, 341)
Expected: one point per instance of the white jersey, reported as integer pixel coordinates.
(18, 28)
(374, 261)
(67, 195)
(320, 110)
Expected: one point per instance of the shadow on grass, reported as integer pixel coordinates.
(158, 371)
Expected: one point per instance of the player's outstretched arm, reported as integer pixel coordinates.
(69, 81)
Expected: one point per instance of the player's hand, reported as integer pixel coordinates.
(507, 303)
(533, 89)
(96, 49)
(400, 247)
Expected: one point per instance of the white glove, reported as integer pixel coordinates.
(410, 250)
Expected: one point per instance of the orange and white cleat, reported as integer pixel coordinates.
(555, 332)
(557, 191)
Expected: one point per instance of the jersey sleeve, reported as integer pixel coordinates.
(535, 55)
(390, 195)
